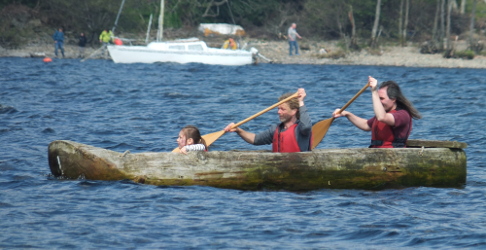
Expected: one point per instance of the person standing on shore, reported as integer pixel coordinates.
(292, 37)
(392, 123)
(58, 41)
(293, 134)
(82, 44)
(105, 38)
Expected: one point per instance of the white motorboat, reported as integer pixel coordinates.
(190, 50)
(181, 51)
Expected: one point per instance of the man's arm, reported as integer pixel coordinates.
(247, 136)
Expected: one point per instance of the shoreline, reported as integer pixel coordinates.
(408, 56)
(277, 52)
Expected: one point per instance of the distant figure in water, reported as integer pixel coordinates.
(190, 140)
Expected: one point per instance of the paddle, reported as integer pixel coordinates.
(210, 138)
(319, 129)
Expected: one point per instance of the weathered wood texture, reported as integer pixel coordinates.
(358, 168)
(435, 144)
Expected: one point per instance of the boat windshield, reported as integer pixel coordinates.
(195, 47)
(177, 47)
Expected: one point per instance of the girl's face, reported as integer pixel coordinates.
(182, 141)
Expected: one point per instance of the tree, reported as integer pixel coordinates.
(442, 24)
(353, 42)
(376, 23)
(448, 25)
(403, 21)
(471, 25)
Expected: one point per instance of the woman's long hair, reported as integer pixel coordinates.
(394, 92)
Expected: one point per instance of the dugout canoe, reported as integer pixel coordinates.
(423, 163)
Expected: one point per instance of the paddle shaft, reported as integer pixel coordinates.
(354, 98)
(319, 129)
(265, 110)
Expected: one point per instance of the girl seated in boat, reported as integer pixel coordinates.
(190, 140)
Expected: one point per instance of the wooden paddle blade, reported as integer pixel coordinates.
(210, 138)
(319, 130)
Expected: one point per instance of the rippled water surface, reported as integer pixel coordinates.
(142, 107)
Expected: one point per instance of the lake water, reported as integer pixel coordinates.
(142, 108)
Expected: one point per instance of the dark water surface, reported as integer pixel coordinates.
(142, 108)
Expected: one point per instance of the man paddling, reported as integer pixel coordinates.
(392, 123)
(293, 134)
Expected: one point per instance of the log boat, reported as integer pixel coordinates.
(422, 163)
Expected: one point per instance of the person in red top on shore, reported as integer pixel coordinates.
(293, 134)
(392, 123)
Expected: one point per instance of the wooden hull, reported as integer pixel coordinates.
(356, 168)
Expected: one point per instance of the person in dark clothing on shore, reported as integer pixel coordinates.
(58, 41)
(82, 44)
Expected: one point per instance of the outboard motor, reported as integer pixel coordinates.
(256, 54)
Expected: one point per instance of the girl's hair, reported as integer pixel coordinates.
(192, 132)
(293, 103)
(394, 92)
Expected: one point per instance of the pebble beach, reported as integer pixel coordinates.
(310, 53)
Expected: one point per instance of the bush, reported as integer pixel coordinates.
(466, 54)
(12, 39)
(331, 54)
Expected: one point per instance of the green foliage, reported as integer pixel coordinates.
(480, 8)
(12, 38)
(466, 54)
(28, 3)
(319, 19)
(332, 55)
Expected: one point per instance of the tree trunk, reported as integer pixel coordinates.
(353, 43)
(423, 164)
(375, 25)
(400, 22)
(471, 25)
(463, 6)
(448, 24)
(442, 26)
(405, 24)
(435, 35)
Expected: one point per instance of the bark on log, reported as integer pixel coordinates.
(358, 168)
